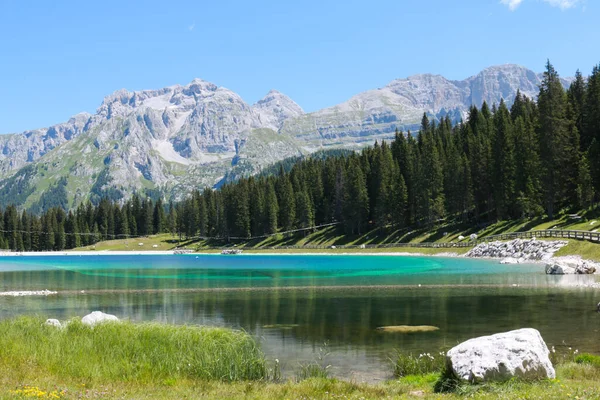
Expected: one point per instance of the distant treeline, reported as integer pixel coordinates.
(532, 159)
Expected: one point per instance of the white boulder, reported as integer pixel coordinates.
(500, 357)
(473, 236)
(98, 317)
(53, 322)
(461, 237)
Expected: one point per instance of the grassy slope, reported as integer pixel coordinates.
(163, 241)
(331, 236)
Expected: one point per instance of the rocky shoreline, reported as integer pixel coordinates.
(520, 251)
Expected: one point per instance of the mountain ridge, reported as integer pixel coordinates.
(180, 137)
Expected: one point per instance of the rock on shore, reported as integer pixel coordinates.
(518, 250)
(98, 317)
(571, 266)
(500, 357)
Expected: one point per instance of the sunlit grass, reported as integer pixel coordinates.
(129, 352)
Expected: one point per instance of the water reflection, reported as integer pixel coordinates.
(299, 321)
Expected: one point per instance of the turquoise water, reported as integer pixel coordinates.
(241, 271)
(296, 305)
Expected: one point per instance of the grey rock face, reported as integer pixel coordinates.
(376, 114)
(274, 109)
(17, 150)
(521, 353)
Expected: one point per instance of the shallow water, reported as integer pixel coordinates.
(298, 304)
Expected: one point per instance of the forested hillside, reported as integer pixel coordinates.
(536, 158)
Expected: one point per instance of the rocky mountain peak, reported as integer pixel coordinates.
(275, 108)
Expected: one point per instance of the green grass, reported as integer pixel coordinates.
(589, 359)
(409, 250)
(163, 242)
(587, 250)
(574, 381)
(127, 352)
(423, 364)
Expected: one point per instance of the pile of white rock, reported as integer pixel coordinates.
(571, 266)
(517, 251)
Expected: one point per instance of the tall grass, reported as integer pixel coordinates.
(318, 368)
(130, 352)
(426, 363)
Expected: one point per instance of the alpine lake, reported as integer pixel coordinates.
(315, 308)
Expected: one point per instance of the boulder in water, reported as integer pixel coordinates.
(519, 354)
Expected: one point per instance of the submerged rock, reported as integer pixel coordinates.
(281, 326)
(407, 328)
(98, 317)
(521, 353)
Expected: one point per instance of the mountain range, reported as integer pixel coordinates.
(169, 141)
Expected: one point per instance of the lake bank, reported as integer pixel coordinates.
(121, 360)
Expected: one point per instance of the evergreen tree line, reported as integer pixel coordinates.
(535, 158)
(58, 230)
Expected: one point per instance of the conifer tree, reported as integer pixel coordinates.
(585, 188)
(504, 169)
(399, 198)
(36, 229)
(287, 204)
(158, 217)
(356, 199)
(304, 210)
(554, 139)
(271, 210)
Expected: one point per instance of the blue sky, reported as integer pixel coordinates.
(58, 58)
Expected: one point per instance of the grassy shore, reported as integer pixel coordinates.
(152, 361)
